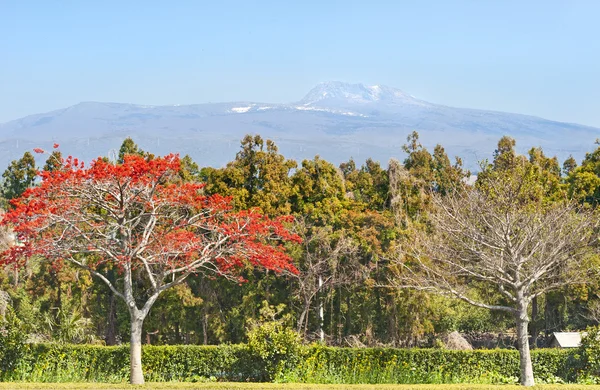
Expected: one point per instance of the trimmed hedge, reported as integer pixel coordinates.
(387, 365)
(317, 364)
(72, 363)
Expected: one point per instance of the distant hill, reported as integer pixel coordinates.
(334, 120)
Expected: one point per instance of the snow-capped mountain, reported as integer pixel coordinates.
(335, 120)
(336, 93)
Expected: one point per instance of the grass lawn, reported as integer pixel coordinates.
(290, 386)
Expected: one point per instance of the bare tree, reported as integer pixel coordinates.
(593, 312)
(328, 261)
(503, 236)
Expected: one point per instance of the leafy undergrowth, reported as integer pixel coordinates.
(291, 386)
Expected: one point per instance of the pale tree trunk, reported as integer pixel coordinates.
(137, 321)
(135, 351)
(303, 320)
(137, 317)
(321, 312)
(137, 375)
(523, 345)
(300, 323)
(205, 328)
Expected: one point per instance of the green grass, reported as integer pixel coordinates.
(273, 386)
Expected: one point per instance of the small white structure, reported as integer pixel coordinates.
(565, 340)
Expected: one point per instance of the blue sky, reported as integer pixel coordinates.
(533, 57)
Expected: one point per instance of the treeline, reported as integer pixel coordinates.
(352, 218)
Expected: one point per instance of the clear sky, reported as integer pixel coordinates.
(533, 57)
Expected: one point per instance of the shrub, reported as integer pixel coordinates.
(275, 345)
(388, 365)
(589, 354)
(12, 342)
(292, 363)
(96, 363)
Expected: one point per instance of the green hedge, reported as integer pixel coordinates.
(73, 363)
(386, 365)
(317, 364)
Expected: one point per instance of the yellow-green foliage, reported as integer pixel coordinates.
(315, 364)
(389, 365)
(589, 353)
(11, 341)
(291, 386)
(274, 345)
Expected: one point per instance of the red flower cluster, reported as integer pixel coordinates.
(140, 215)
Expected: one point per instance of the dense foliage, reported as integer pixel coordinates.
(317, 364)
(351, 218)
(138, 228)
(12, 338)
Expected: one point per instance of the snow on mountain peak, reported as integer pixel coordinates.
(355, 94)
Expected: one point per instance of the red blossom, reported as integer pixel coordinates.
(139, 215)
(38, 150)
(55, 146)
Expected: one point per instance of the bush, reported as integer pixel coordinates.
(96, 363)
(589, 355)
(275, 345)
(309, 364)
(12, 342)
(388, 365)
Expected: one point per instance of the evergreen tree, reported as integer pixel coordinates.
(19, 176)
(505, 155)
(54, 161)
(584, 181)
(129, 147)
(569, 166)
(189, 171)
(258, 177)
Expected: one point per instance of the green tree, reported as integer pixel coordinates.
(447, 176)
(505, 155)
(434, 172)
(189, 171)
(258, 177)
(19, 176)
(129, 147)
(569, 166)
(54, 161)
(320, 191)
(584, 181)
(418, 160)
(367, 185)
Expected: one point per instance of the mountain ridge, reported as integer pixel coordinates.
(306, 100)
(336, 120)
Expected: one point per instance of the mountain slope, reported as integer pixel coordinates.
(335, 120)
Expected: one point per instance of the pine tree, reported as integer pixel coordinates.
(129, 147)
(54, 161)
(19, 176)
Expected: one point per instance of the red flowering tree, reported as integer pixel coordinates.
(140, 219)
